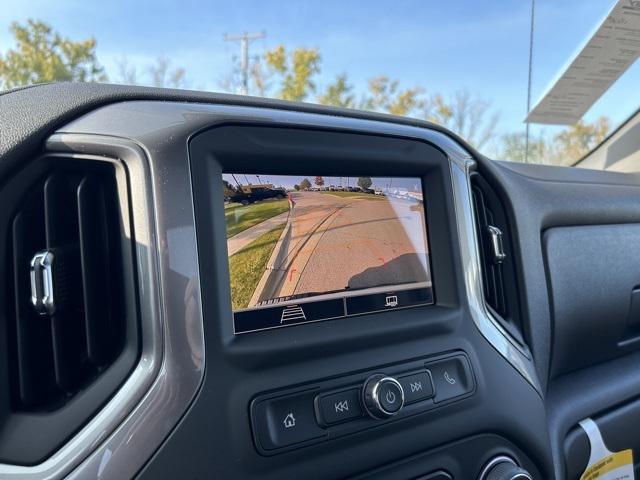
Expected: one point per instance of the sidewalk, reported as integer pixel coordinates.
(244, 238)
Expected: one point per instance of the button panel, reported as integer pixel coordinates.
(331, 408)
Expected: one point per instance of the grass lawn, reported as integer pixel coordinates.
(368, 196)
(242, 217)
(248, 265)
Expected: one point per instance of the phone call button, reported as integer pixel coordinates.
(451, 377)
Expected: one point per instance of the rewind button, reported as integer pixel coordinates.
(339, 407)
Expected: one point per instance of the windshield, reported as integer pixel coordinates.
(480, 69)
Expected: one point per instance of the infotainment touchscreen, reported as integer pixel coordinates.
(309, 248)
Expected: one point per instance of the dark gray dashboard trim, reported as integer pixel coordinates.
(166, 192)
(154, 379)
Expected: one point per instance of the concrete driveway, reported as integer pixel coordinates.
(345, 242)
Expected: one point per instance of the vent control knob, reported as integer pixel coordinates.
(495, 244)
(383, 396)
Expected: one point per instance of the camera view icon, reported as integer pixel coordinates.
(391, 301)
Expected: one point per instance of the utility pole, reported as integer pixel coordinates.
(244, 40)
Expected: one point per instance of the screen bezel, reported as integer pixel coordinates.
(254, 146)
(364, 292)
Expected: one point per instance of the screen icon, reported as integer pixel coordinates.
(449, 378)
(289, 421)
(293, 312)
(391, 301)
(391, 397)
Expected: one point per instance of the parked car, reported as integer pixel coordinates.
(252, 195)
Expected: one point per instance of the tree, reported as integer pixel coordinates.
(564, 148)
(513, 148)
(296, 187)
(338, 93)
(296, 71)
(319, 181)
(385, 95)
(160, 74)
(305, 184)
(576, 141)
(42, 55)
(128, 73)
(364, 182)
(259, 78)
(163, 76)
(465, 115)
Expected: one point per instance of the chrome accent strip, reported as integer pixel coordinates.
(496, 244)
(41, 277)
(470, 254)
(499, 459)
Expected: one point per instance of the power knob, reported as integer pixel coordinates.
(383, 396)
(503, 468)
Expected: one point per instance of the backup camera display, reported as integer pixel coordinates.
(310, 248)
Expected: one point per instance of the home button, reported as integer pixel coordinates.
(283, 421)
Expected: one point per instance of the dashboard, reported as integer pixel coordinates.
(211, 286)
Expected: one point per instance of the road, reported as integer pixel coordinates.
(345, 242)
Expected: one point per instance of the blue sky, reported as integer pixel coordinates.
(440, 46)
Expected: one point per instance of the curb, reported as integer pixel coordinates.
(273, 275)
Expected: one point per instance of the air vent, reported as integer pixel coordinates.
(66, 268)
(496, 256)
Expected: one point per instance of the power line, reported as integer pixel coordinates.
(244, 40)
(526, 147)
(237, 182)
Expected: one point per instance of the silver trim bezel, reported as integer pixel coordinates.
(376, 398)
(499, 459)
(42, 264)
(371, 401)
(517, 355)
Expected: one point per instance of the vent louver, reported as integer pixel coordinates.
(496, 256)
(68, 321)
